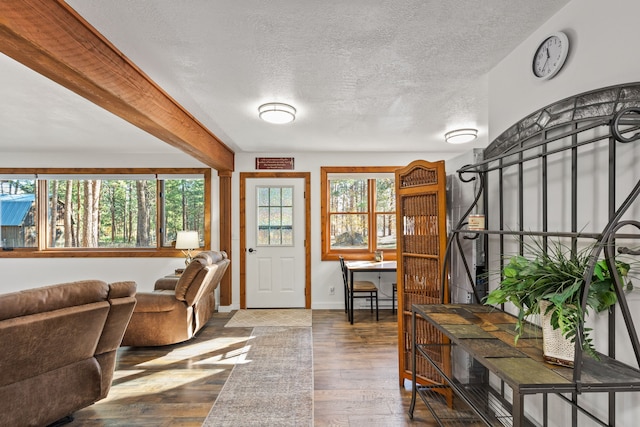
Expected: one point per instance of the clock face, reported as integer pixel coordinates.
(550, 56)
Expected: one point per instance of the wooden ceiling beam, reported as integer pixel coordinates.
(53, 40)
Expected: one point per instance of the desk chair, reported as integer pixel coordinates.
(359, 288)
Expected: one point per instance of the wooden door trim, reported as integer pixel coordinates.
(307, 230)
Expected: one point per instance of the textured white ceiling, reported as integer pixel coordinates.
(363, 74)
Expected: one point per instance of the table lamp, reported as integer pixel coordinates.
(188, 240)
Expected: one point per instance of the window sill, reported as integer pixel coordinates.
(91, 253)
(367, 256)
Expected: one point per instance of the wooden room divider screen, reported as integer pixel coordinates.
(422, 241)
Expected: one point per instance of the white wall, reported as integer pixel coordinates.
(601, 36)
(602, 54)
(324, 274)
(99, 159)
(25, 273)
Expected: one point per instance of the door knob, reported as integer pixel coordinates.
(251, 250)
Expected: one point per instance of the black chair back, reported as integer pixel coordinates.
(345, 276)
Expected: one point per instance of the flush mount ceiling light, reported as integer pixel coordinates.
(461, 136)
(275, 112)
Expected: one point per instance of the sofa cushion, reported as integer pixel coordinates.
(167, 283)
(54, 297)
(122, 289)
(41, 400)
(151, 328)
(211, 257)
(156, 301)
(193, 274)
(200, 285)
(33, 345)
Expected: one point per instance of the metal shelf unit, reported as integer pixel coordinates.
(486, 334)
(518, 181)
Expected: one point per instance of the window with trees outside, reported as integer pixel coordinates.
(358, 212)
(102, 210)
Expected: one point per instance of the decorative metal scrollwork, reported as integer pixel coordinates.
(630, 125)
(463, 222)
(465, 180)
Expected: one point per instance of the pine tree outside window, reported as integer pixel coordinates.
(102, 211)
(358, 212)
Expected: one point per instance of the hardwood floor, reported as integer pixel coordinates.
(355, 376)
(172, 385)
(355, 372)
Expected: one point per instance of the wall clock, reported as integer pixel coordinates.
(550, 56)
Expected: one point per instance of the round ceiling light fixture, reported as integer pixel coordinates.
(276, 112)
(461, 136)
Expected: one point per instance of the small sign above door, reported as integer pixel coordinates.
(279, 163)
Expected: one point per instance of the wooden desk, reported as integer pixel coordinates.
(366, 267)
(487, 335)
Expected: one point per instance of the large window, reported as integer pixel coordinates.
(358, 212)
(53, 211)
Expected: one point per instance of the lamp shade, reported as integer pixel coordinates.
(187, 240)
(461, 136)
(275, 112)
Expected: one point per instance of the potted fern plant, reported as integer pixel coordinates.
(550, 283)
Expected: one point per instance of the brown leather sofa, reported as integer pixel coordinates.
(179, 306)
(58, 348)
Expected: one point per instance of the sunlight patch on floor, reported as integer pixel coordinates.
(117, 375)
(233, 357)
(190, 351)
(158, 382)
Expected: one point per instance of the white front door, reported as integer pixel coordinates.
(275, 232)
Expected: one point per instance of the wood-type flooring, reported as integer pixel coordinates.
(355, 376)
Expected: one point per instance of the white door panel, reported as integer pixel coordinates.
(264, 275)
(275, 230)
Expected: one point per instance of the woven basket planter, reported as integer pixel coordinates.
(556, 348)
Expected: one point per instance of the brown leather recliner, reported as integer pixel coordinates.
(178, 307)
(58, 348)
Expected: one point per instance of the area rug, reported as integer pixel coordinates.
(273, 386)
(270, 317)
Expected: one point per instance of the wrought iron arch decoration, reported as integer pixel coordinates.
(610, 115)
(589, 109)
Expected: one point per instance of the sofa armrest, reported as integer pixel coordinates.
(166, 283)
